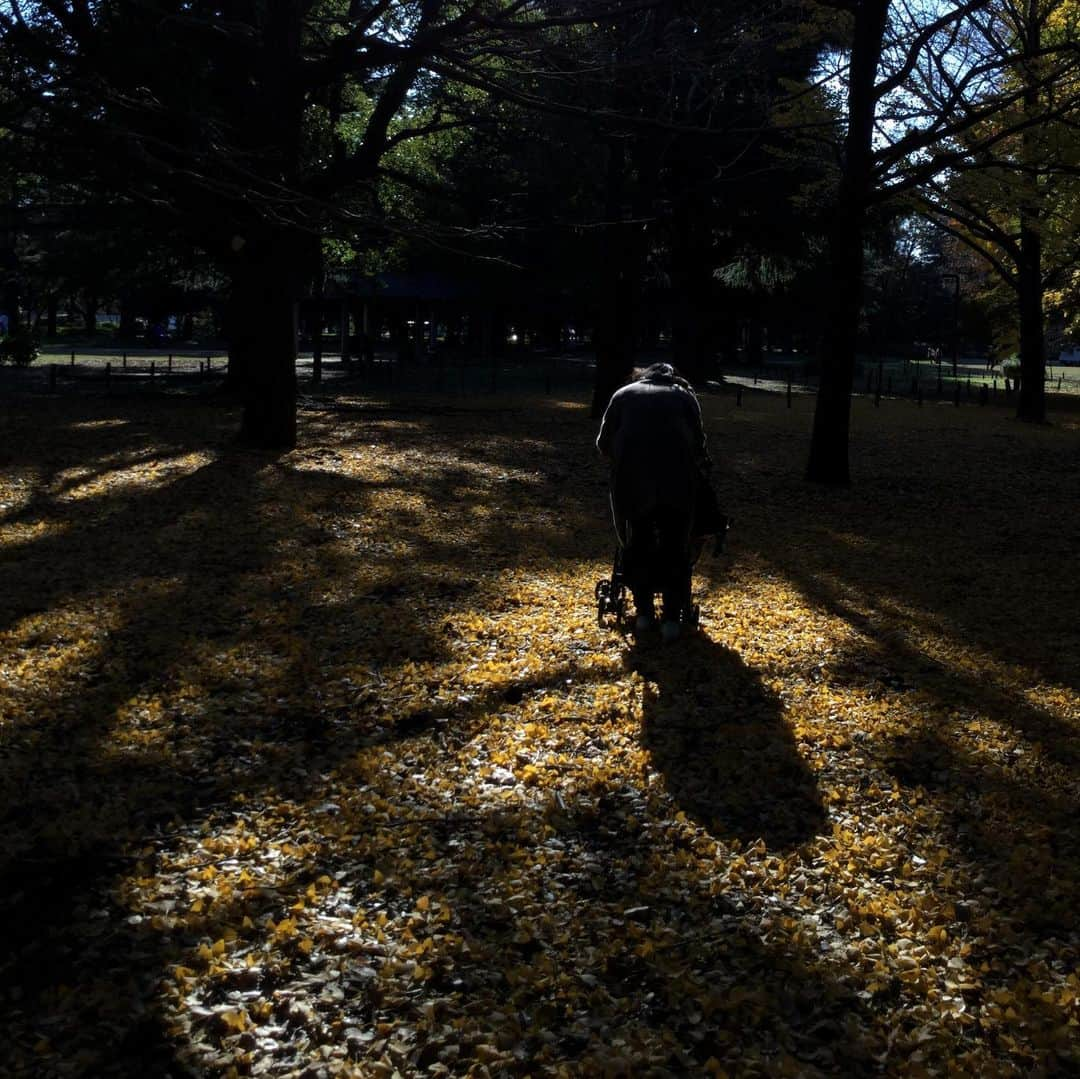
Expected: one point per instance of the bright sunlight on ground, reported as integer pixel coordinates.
(320, 764)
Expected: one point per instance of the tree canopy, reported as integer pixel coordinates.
(674, 166)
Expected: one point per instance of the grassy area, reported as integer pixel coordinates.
(182, 359)
(319, 763)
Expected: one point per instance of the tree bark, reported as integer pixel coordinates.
(90, 310)
(1031, 400)
(126, 330)
(692, 263)
(755, 340)
(691, 323)
(262, 340)
(315, 321)
(615, 325)
(829, 442)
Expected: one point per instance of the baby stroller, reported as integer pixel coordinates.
(611, 591)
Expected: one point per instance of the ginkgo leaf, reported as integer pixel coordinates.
(330, 767)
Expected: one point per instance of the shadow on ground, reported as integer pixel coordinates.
(718, 737)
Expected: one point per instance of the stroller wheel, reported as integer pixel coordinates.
(603, 601)
(611, 593)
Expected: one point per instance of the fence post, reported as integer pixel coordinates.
(73, 359)
(738, 396)
(123, 361)
(170, 361)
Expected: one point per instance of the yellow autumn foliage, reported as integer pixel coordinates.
(320, 762)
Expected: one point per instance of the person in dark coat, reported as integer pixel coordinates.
(654, 439)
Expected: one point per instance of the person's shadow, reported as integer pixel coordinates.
(720, 740)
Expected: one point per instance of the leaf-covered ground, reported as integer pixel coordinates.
(319, 764)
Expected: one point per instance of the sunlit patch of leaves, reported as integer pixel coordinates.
(320, 763)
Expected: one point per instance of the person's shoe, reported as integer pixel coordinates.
(670, 631)
(643, 623)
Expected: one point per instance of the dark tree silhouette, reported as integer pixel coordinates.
(926, 91)
(260, 124)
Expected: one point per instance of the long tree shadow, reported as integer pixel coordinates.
(1022, 838)
(205, 570)
(719, 738)
(599, 953)
(76, 806)
(658, 969)
(1010, 813)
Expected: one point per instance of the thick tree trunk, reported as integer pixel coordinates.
(728, 338)
(614, 356)
(1031, 401)
(614, 335)
(690, 178)
(315, 321)
(691, 336)
(126, 330)
(691, 279)
(755, 341)
(262, 342)
(272, 261)
(829, 442)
